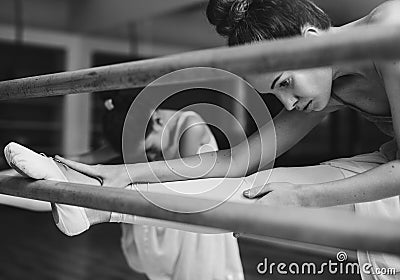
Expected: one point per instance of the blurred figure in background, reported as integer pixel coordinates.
(158, 252)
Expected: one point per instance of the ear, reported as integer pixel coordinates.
(309, 30)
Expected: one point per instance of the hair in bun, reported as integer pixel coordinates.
(227, 14)
(239, 11)
(245, 21)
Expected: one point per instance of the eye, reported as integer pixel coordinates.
(286, 83)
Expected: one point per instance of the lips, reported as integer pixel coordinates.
(307, 106)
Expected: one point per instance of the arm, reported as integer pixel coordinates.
(375, 184)
(378, 183)
(290, 127)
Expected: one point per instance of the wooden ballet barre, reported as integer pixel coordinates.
(372, 42)
(316, 226)
(300, 247)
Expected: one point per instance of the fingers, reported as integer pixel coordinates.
(257, 192)
(80, 167)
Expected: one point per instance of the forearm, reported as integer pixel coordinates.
(206, 165)
(378, 183)
(250, 156)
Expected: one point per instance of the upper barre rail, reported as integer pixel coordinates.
(373, 42)
(317, 226)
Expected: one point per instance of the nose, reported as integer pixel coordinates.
(289, 102)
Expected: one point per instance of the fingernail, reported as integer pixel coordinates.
(246, 193)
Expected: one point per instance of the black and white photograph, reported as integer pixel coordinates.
(200, 139)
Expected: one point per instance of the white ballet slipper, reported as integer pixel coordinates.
(71, 220)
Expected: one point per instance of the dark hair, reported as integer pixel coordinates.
(245, 21)
(114, 119)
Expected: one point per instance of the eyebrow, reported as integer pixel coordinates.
(276, 79)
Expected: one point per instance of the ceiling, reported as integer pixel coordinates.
(176, 22)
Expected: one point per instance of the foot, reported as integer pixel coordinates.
(71, 220)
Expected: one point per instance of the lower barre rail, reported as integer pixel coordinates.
(316, 226)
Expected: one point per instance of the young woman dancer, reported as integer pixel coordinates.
(159, 252)
(371, 87)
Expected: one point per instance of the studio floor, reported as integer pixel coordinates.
(33, 248)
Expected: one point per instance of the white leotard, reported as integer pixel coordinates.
(164, 253)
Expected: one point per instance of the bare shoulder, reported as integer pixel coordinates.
(195, 123)
(386, 13)
(192, 117)
(194, 134)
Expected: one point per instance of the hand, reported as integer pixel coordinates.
(107, 175)
(278, 194)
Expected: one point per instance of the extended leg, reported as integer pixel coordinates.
(36, 166)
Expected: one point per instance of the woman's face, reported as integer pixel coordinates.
(153, 147)
(153, 141)
(303, 90)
